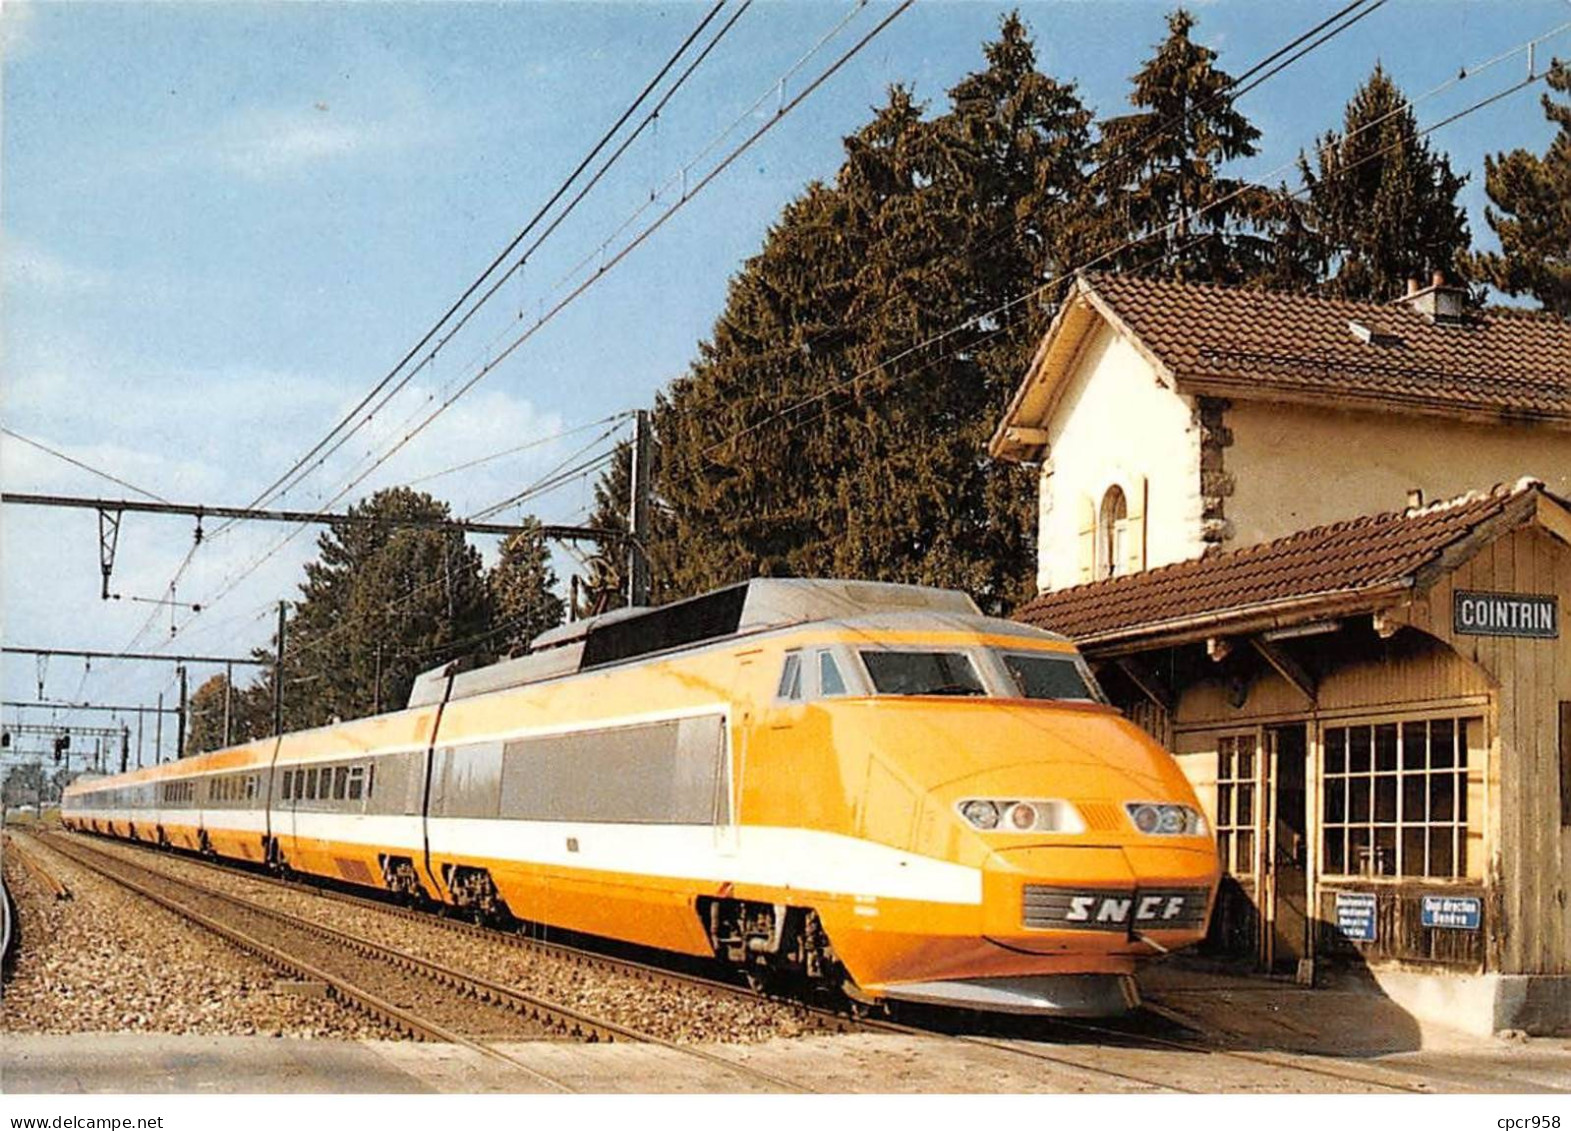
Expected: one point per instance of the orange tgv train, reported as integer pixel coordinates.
(863, 786)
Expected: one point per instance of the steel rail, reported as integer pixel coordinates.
(825, 1020)
(340, 988)
(52, 884)
(565, 1020)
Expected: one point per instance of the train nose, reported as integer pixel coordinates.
(1046, 897)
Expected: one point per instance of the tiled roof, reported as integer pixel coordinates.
(1344, 559)
(1240, 342)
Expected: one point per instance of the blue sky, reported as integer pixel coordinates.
(222, 223)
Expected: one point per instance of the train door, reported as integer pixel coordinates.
(1286, 938)
(739, 730)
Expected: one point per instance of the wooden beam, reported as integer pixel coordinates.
(1152, 685)
(1219, 648)
(1287, 667)
(1027, 437)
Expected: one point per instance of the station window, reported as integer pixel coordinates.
(1236, 763)
(1394, 798)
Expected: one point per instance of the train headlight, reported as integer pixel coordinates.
(982, 814)
(1158, 819)
(1015, 816)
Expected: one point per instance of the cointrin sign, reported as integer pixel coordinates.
(1505, 614)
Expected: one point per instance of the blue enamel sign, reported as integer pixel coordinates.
(1355, 915)
(1461, 912)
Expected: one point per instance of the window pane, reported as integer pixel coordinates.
(1461, 797)
(1441, 861)
(922, 673)
(1246, 757)
(791, 677)
(1224, 843)
(1336, 750)
(1358, 859)
(356, 782)
(340, 780)
(1442, 743)
(1046, 677)
(1336, 801)
(289, 781)
(1385, 851)
(310, 784)
(1224, 758)
(1385, 747)
(1413, 857)
(829, 679)
(1336, 851)
(1385, 798)
(1246, 853)
(1415, 792)
(1358, 750)
(1246, 804)
(1358, 799)
(1415, 746)
(1442, 791)
(1224, 805)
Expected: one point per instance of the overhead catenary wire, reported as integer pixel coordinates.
(84, 466)
(561, 190)
(642, 237)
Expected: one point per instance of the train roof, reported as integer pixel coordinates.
(759, 605)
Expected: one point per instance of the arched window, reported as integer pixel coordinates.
(1110, 527)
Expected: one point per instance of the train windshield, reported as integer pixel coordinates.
(1041, 676)
(922, 673)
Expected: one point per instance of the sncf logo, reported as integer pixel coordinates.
(1116, 910)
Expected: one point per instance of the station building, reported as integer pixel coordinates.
(1321, 549)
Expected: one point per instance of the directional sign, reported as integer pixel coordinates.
(1460, 912)
(1355, 915)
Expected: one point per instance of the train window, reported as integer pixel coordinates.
(830, 681)
(1047, 676)
(922, 673)
(340, 780)
(310, 784)
(250, 787)
(289, 780)
(356, 782)
(791, 677)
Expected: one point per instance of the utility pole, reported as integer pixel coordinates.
(125, 746)
(376, 698)
(158, 733)
(638, 516)
(180, 718)
(278, 674)
(229, 695)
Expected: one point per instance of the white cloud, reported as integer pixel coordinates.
(268, 143)
(27, 266)
(16, 29)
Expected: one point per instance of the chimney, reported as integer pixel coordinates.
(1415, 498)
(1439, 302)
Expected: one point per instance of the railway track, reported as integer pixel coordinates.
(812, 1017)
(51, 884)
(1059, 1042)
(425, 999)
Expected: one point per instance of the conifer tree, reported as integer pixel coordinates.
(1159, 178)
(523, 591)
(1382, 204)
(810, 437)
(1532, 212)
